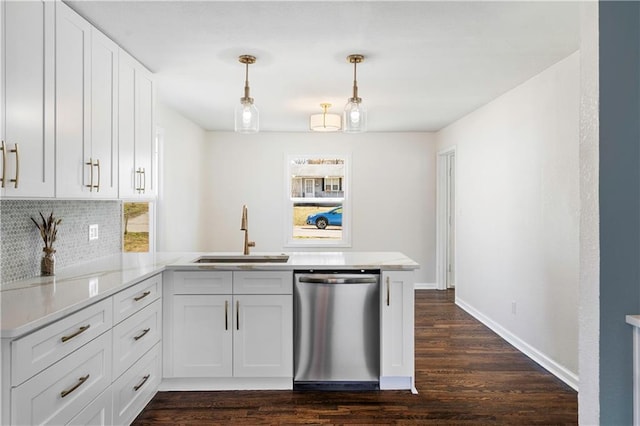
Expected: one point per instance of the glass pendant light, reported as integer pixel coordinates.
(355, 115)
(246, 114)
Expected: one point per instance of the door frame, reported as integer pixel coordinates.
(445, 211)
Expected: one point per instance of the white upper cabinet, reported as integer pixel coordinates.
(104, 112)
(27, 162)
(136, 130)
(86, 109)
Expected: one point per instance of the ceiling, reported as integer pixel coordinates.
(426, 65)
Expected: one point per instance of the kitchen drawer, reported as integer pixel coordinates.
(135, 336)
(80, 377)
(202, 282)
(98, 413)
(38, 350)
(131, 300)
(135, 388)
(262, 282)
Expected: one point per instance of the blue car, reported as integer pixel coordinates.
(323, 219)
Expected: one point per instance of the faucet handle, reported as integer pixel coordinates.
(251, 244)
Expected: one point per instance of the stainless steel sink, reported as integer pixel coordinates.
(223, 258)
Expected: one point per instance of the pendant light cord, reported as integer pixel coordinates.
(246, 80)
(355, 82)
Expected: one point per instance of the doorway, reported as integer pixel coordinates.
(446, 219)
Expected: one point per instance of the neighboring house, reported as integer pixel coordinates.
(315, 178)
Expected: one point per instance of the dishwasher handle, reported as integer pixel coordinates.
(337, 279)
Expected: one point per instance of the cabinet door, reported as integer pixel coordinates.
(145, 132)
(137, 141)
(128, 178)
(104, 115)
(28, 99)
(263, 336)
(397, 325)
(202, 336)
(73, 107)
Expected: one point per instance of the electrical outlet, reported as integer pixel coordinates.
(93, 232)
(513, 307)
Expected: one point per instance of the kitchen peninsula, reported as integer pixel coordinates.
(99, 338)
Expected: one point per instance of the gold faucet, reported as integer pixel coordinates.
(244, 226)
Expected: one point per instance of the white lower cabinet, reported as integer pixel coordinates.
(98, 366)
(228, 335)
(397, 330)
(135, 336)
(135, 388)
(98, 413)
(38, 350)
(202, 336)
(55, 395)
(263, 336)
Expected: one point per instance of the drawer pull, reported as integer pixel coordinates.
(142, 296)
(3, 148)
(81, 380)
(15, 181)
(141, 335)
(97, 187)
(388, 292)
(226, 314)
(237, 315)
(90, 164)
(139, 385)
(80, 331)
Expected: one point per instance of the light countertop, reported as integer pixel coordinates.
(633, 320)
(32, 303)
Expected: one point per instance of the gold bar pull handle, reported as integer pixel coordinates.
(237, 315)
(138, 180)
(226, 314)
(3, 148)
(97, 187)
(142, 296)
(141, 335)
(81, 380)
(17, 166)
(79, 331)
(388, 292)
(90, 164)
(139, 385)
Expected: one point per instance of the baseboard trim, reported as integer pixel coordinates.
(425, 286)
(545, 362)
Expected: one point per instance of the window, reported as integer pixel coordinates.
(317, 202)
(333, 185)
(137, 219)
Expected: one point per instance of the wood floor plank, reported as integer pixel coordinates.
(465, 375)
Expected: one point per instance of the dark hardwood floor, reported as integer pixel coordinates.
(465, 374)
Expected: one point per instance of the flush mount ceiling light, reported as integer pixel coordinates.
(325, 122)
(355, 115)
(246, 114)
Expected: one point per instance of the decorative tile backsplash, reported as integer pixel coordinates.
(21, 245)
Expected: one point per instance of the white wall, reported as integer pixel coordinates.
(180, 201)
(517, 215)
(589, 313)
(393, 190)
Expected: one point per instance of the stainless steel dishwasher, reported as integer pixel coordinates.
(337, 330)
